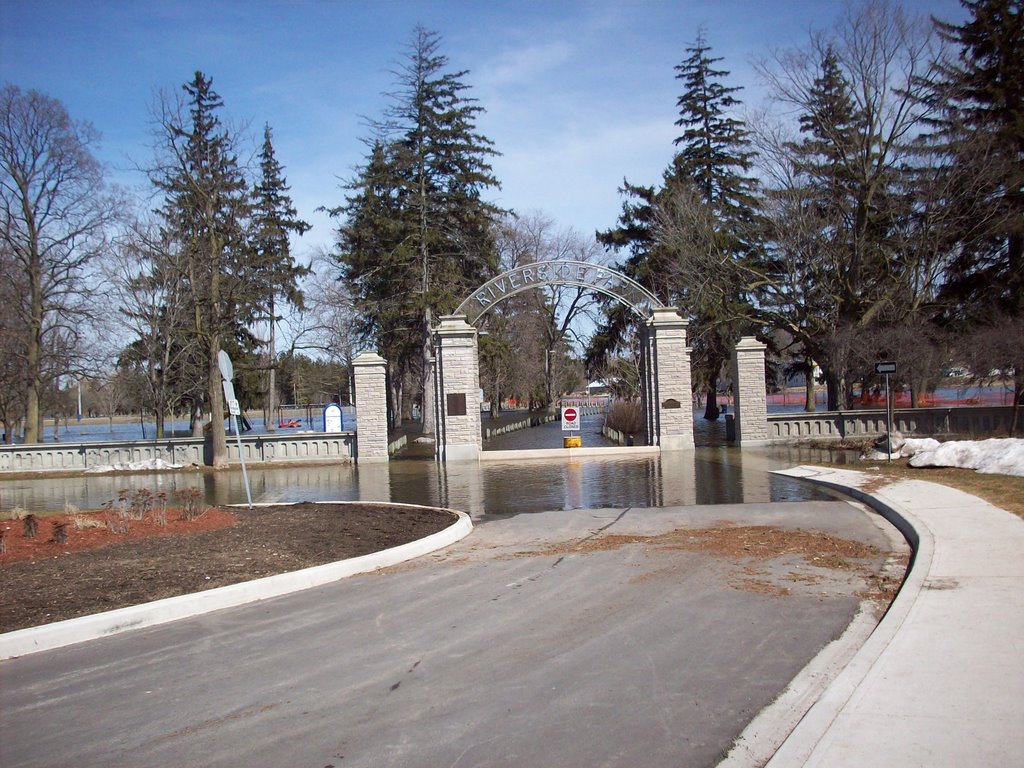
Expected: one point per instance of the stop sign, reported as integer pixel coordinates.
(570, 419)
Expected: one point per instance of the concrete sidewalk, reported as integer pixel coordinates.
(940, 682)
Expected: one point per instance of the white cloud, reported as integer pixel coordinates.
(515, 66)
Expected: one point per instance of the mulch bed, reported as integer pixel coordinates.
(98, 569)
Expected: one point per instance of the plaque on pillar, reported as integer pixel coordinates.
(455, 403)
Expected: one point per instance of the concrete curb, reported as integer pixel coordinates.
(47, 637)
(789, 729)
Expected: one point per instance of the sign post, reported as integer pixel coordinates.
(570, 419)
(571, 423)
(887, 367)
(227, 372)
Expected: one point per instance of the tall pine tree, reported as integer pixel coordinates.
(713, 161)
(981, 129)
(435, 166)
(206, 208)
(274, 220)
(812, 216)
(690, 239)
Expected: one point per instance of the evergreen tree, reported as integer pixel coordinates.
(206, 208)
(690, 240)
(717, 221)
(847, 252)
(815, 210)
(981, 129)
(983, 92)
(274, 220)
(435, 166)
(376, 253)
(714, 149)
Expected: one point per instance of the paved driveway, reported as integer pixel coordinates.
(509, 649)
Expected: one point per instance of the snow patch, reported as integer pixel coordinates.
(134, 466)
(997, 456)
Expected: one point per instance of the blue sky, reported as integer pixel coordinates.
(578, 94)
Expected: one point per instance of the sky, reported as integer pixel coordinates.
(578, 95)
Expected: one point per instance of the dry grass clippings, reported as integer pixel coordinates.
(1003, 491)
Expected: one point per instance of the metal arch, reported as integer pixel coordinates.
(606, 281)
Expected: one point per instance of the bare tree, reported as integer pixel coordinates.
(533, 238)
(845, 227)
(328, 327)
(12, 347)
(993, 354)
(54, 213)
(144, 274)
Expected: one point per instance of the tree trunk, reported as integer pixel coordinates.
(549, 380)
(427, 377)
(834, 388)
(33, 356)
(711, 409)
(809, 394)
(216, 390)
(269, 418)
(1018, 396)
(394, 397)
(495, 399)
(195, 416)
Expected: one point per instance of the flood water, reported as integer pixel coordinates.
(711, 474)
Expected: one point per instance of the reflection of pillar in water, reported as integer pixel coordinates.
(754, 467)
(461, 486)
(374, 480)
(573, 485)
(678, 478)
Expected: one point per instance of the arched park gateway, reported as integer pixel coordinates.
(664, 375)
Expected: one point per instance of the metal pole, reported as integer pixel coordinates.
(888, 421)
(241, 457)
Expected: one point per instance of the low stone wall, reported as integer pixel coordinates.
(621, 438)
(934, 422)
(59, 457)
(534, 420)
(394, 446)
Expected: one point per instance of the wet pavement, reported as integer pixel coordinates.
(510, 648)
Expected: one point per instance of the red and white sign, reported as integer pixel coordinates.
(570, 419)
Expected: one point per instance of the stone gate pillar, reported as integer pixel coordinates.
(458, 384)
(749, 392)
(371, 407)
(671, 399)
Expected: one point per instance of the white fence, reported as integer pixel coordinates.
(186, 451)
(933, 422)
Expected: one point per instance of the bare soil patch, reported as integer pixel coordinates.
(758, 542)
(109, 565)
(749, 546)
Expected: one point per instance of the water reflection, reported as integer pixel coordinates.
(714, 473)
(703, 476)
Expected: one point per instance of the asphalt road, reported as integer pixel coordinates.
(505, 650)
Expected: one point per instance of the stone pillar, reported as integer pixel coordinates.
(672, 397)
(458, 374)
(749, 392)
(371, 408)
